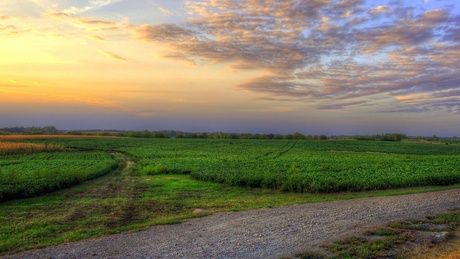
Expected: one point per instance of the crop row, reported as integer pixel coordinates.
(291, 165)
(305, 166)
(30, 175)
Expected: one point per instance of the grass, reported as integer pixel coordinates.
(362, 247)
(447, 250)
(137, 196)
(28, 175)
(124, 200)
(11, 148)
(297, 166)
(44, 136)
(404, 239)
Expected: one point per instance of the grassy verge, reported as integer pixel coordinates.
(124, 200)
(432, 237)
(446, 250)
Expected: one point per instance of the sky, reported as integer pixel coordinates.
(311, 66)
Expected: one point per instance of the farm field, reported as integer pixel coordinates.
(28, 175)
(143, 182)
(290, 165)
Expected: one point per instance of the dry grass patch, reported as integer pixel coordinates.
(22, 137)
(10, 148)
(446, 250)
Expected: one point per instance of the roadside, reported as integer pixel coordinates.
(260, 233)
(435, 236)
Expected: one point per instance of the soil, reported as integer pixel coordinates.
(261, 233)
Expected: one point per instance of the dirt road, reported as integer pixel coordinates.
(261, 233)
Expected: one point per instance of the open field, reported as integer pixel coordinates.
(160, 181)
(40, 136)
(9, 148)
(290, 165)
(28, 175)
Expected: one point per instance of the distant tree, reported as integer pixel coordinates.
(146, 134)
(234, 136)
(50, 130)
(203, 135)
(278, 136)
(220, 135)
(31, 130)
(298, 136)
(191, 135)
(121, 134)
(246, 136)
(13, 130)
(160, 134)
(74, 132)
(263, 136)
(171, 133)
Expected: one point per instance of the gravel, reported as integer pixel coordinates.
(260, 233)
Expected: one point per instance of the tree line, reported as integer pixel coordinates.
(199, 135)
(30, 130)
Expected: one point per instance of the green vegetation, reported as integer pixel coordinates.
(161, 182)
(399, 237)
(293, 165)
(365, 247)
(28, 175)
(397, 240)
(125, 200)
(30, 130)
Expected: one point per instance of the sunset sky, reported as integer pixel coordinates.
(312, 66)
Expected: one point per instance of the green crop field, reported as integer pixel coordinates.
(137, 183)
(28, 175)
(290, 165)
(305, 166)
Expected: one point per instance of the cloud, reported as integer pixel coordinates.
(438, 100)
(59, 15)
(379, 9)
(91, 24)
(91, 5)
(112, 55)
(320, 50)
(12, 83)
(97, 38)
(46, 4)
(278, 109)
(96, 23)
(340, 106)
(407, 109)
(60, 98)
(15, 30)
(164, 11)
(275, 86)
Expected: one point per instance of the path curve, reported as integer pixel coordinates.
(261, 233)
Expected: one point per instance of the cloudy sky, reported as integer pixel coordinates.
(313, 66)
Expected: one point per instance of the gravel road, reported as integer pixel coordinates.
(261, 233)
